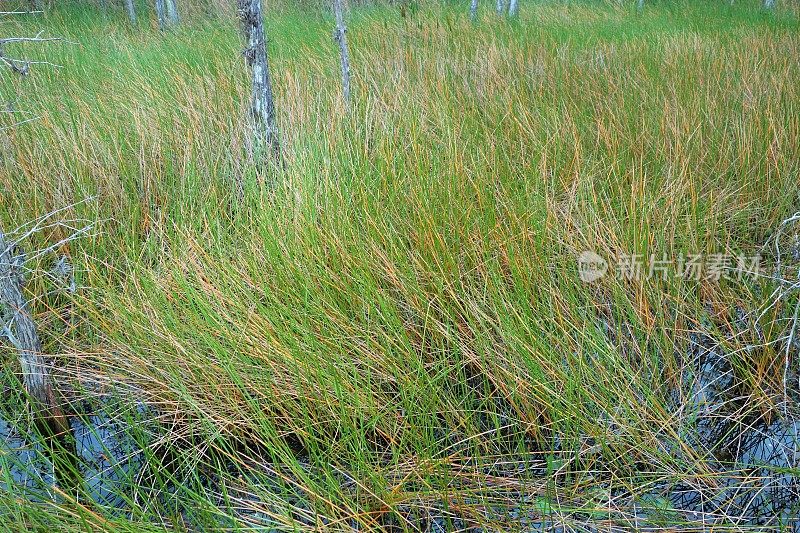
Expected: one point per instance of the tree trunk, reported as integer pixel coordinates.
(340, 36)
(262, 107)
(37, 5)
(513, 8)
(161, 14)
(130, 8)
(473, 10)
(501, 6)
(19, 328)
(639, 4)
(769, 4)
(172, 12)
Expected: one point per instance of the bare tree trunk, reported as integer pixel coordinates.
(500, 7)
(473, 10)
(19, 328)
(769, 4)
(37, 5)
(639, 4)
(340, 36)
(172, 12)
(130, 8)
(513, 8)
(262, 107)
(161, 14)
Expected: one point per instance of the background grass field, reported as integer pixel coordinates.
(397, 324)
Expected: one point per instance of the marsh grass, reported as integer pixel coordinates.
(399, 325)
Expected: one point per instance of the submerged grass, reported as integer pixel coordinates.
(399, 325)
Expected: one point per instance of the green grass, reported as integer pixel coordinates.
(403, 308)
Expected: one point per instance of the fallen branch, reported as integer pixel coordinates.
(17, 325)
(20, 330)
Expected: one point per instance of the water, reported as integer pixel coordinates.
(109, 459)
(24, 468)
(755, 469)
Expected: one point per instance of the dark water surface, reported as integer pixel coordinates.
(755, 479)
